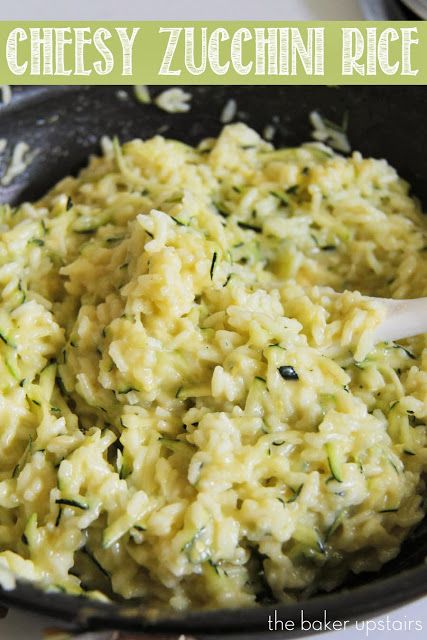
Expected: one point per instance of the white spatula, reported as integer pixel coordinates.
(404, 319)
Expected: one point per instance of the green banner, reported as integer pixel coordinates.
(213, 52)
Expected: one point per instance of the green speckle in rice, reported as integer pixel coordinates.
(189, 413)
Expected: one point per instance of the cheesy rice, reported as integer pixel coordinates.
(189, 413)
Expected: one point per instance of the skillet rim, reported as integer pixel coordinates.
(376, 597)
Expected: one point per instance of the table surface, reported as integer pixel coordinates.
(181, 10)
(24, 626)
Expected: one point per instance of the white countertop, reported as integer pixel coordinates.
(24, 626)
(181, 10)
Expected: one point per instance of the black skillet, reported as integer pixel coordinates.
(65, 124)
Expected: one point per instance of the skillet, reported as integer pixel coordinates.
(65, 124)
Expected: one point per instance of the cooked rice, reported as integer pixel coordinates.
(142, 93)
(21, 158)
(174, 100)
(228, 112)
(189, 412)
(6, 94)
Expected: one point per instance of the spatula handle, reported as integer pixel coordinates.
(404, 319)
